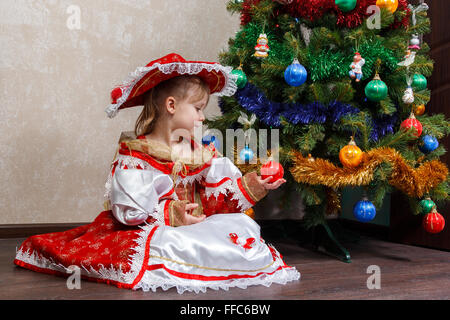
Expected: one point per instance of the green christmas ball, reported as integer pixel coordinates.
(345, 5)
(419, 82)
(426, 205)
(376, 90)
(241, 79)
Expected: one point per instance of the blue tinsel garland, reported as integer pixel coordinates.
(269, 112)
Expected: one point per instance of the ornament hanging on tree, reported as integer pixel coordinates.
(262, 47)
(241, 77)
(409, 58)
(419, 110)
(345, 5)
(272, 169)
(376, 90)
(429, 144)
(310, 158)
(412, 122)
(364, 210)
(246, 154)
(295, 75)
(433, 222)
(408, 95)
(414, 43)
(426, 205)
(391, 5)
(419, 82)
(356, 67)
(351, 155)
(250, 212)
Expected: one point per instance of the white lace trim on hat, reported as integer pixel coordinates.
(229, 88)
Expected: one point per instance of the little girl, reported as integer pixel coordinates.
(174, 210)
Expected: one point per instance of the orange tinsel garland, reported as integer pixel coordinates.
(414, 182)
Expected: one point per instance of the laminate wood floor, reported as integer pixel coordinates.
(406, 272)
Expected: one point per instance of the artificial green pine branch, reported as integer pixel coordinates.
(435, 125)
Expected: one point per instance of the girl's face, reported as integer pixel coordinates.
(189, 113)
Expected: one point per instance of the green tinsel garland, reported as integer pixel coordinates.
(328, 65)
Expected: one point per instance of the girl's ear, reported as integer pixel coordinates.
(170, 104)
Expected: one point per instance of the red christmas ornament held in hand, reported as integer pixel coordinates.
(412, 122)
(272, 169)
(433, 222)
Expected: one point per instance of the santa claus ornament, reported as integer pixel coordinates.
(262, 47)
(356, 67)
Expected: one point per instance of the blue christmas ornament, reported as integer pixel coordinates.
(206, 140)
(246, 154)
(430, 143)
(296, 74)
(364, 210)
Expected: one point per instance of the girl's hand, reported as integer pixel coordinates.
(189, 218)
(270, 186)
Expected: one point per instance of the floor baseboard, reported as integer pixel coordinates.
(8, 231)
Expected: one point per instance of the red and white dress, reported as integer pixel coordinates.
(140, 242)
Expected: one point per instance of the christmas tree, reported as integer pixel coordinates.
(345, 82)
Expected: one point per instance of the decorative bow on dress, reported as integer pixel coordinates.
(246, 244)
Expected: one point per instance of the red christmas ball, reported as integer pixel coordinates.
(412, 122)
(272, 169)
(433, 222)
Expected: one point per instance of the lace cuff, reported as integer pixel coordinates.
(251, 185)
(177, 210)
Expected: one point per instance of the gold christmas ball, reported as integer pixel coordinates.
(351, 155)
(251, 213)
(391, 5)
(419, 110)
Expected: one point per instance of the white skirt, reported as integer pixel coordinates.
(223, 251)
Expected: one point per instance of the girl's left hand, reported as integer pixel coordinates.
(271, 186)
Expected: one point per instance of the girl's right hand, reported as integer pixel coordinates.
(189, 218)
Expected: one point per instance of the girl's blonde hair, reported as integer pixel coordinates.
(154, 99)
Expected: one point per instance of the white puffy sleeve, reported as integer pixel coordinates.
(135, 194)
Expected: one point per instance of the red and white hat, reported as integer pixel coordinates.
(219, 78)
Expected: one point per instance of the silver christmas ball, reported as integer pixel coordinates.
(408, 96)
(414, 41)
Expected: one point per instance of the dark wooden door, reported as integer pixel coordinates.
(404, 227)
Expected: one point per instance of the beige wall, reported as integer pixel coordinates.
(56, 140)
